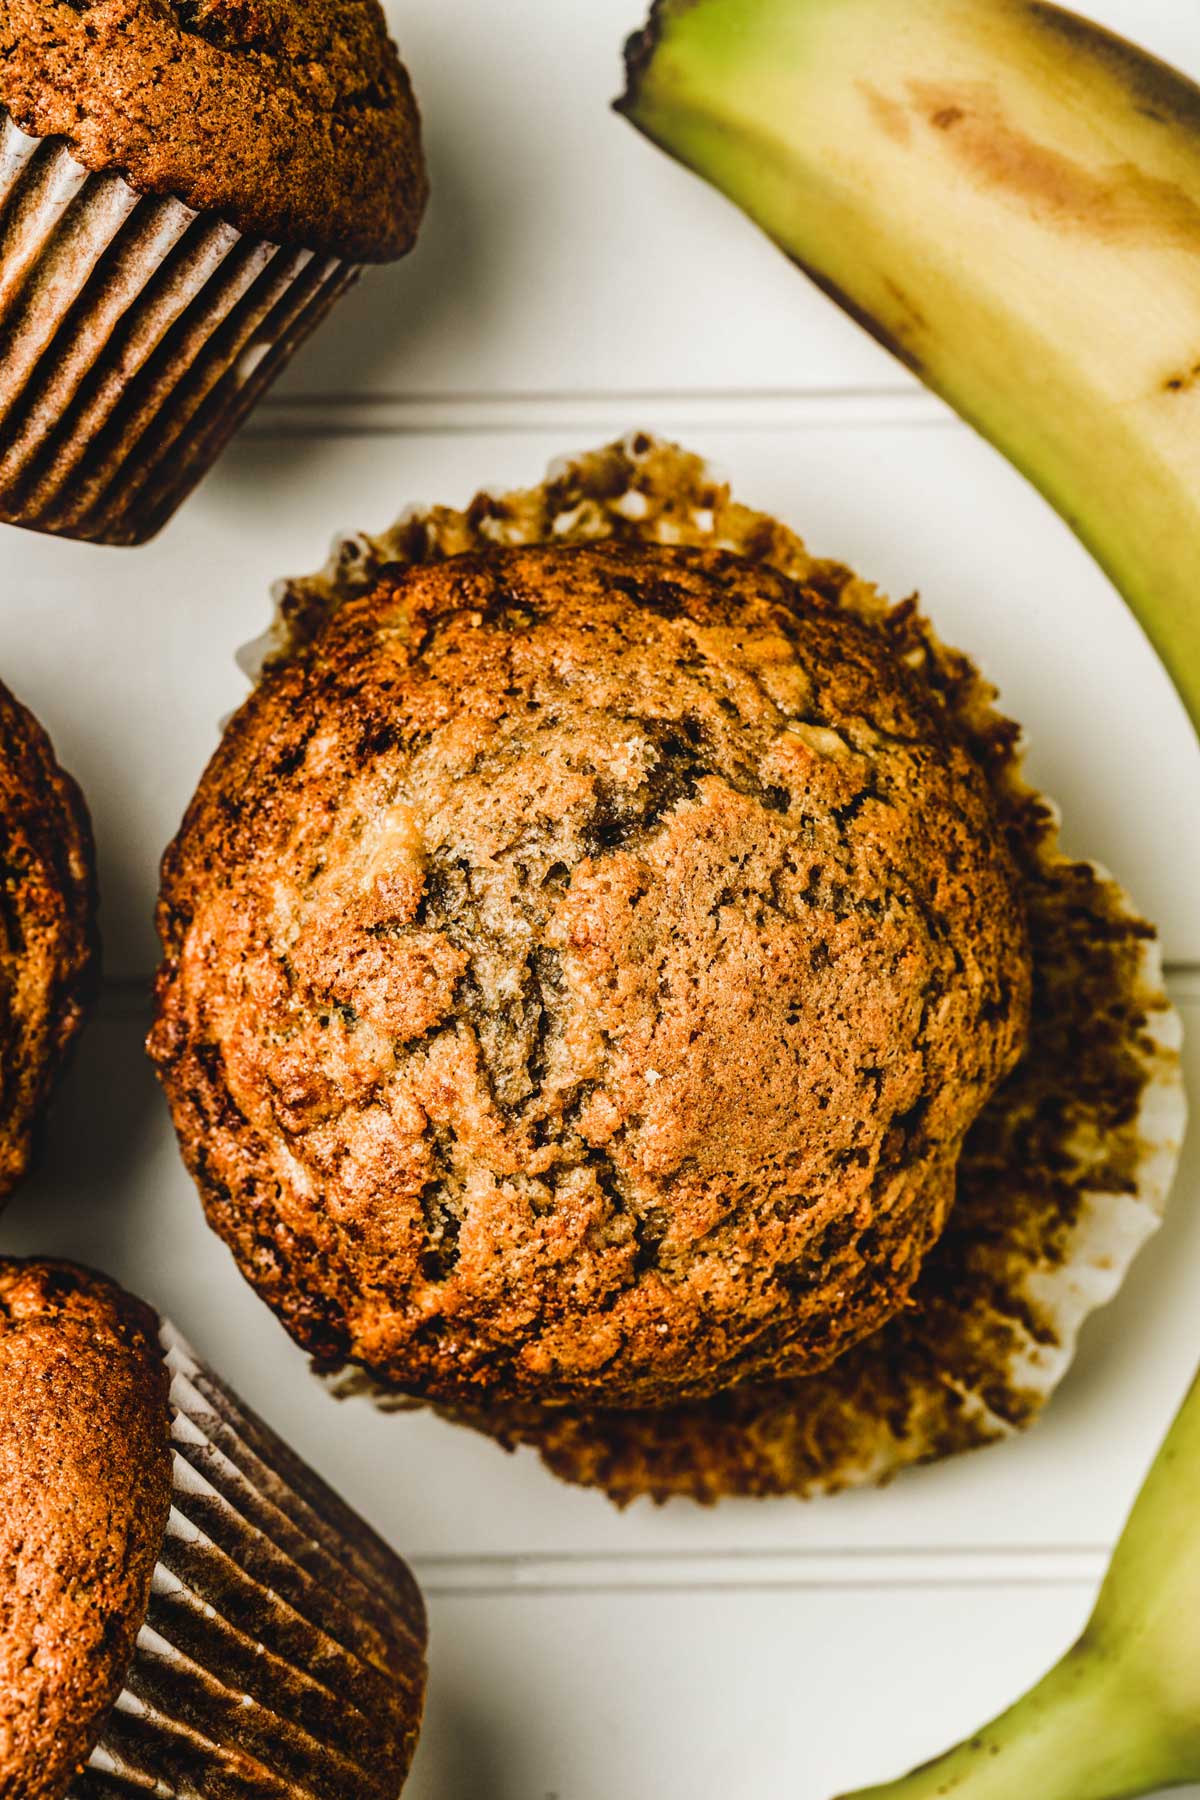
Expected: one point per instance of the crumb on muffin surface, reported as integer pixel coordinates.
(582, 966)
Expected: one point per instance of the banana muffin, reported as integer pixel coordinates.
(184, 1608)
(48, 941)
(185, 190)
(582, 967)
(85, 1470)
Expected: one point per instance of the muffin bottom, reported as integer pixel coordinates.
(1064, 1175)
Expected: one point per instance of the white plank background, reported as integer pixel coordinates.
(572, 284)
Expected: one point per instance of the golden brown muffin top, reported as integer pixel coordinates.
(48, 948)
(85, 1472)
(581, 969)
(292, 119)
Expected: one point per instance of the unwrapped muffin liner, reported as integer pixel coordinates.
(1064, 1176)
(135, 336)
(283, 1650)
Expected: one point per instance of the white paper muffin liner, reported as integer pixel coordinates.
(135, 336)
(1064, 1177)
(283, 1653)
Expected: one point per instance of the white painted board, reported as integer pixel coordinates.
(757, 1695)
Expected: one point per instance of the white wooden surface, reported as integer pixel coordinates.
(571, 285)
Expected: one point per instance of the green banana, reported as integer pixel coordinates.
(1120, 1714)
(1009, 199)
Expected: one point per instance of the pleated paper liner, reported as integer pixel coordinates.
(1064, 1176)
(283, 1653)
(135, 336)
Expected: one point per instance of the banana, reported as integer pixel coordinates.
(1120, 1714)
(1008, 198)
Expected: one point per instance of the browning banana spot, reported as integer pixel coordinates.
(906, 305)
(888, 114)
(1116, 202)
(1183, 380)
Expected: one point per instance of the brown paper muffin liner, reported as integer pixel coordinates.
(135, 336)
(283, 1653)
(1063, 1177)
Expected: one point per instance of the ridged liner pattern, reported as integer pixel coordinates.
(135, 336)
(283, 1653)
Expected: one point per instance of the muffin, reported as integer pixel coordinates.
(185, 190)
(48, 944)
(581, 972)
(589, 959)
(186, 1607)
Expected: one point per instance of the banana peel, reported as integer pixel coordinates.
(1008, 198)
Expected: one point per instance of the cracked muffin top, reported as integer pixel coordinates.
(85, 1471)
(582, 966)
(47, 928)
(291, 119)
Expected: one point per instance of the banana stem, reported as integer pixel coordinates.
(1119, 1716)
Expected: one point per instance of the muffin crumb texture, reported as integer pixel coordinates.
(85, 1471)
(582, 966)
(294, 120)
(48, 946)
